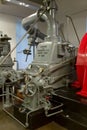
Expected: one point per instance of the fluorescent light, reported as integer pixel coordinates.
(27, 5)
(8, 0)
(24, 4)
(20, 3)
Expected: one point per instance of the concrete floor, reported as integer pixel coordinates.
(7, 123)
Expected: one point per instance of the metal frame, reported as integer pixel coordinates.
(8, 112)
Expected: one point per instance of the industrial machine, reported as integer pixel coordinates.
(46, 89)
(7, 73)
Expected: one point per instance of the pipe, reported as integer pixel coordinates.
(14, 118)
(74, 28)
(26, 22)
(53, 11)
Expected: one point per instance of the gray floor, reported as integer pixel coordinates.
(7, 123)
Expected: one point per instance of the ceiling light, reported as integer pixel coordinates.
(23, 4)
(18, 2)
(26, 5)
(8, 0)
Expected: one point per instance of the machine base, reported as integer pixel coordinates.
(74, 116)
(35, 119)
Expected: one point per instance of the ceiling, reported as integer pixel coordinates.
(65, 7)
(17, 10)
(71, 6)
(37, 1)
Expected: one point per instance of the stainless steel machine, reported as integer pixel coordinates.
(29, 95)
(6, 70)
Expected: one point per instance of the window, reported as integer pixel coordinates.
(20, 56)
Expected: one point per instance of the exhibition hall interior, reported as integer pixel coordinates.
(43, 81)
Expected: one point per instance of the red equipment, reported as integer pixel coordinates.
(81, 67)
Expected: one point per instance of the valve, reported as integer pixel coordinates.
(27, 52)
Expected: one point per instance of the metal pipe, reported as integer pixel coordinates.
(16, 97)
(7, 96)
(27, 124)
(53, 9)
(74, 28)
(26, 22)
(2, 95)
(14, 117)
(52, 114)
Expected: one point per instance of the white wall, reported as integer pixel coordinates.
(8, 26)
(79, 20)
(11, 25)
(80, 25)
